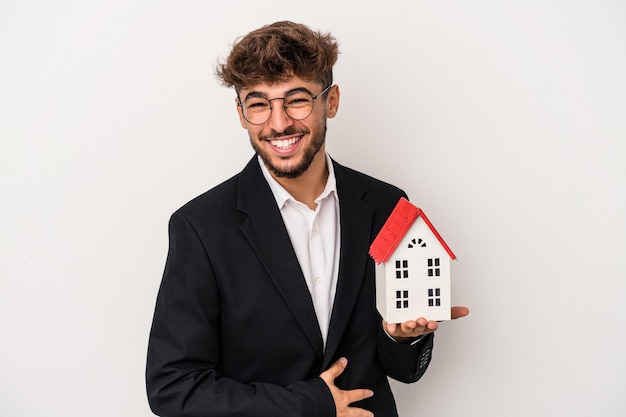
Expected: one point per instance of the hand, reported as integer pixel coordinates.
(342, 398)
(411, 329)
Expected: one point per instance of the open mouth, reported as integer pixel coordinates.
(284, 144)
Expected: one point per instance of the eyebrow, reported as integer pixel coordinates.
(253, 94)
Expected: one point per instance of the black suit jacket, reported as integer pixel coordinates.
(234, 330)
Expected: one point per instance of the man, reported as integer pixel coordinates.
(267, 303)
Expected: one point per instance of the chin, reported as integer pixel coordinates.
(289, 171)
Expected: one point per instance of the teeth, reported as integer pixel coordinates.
(284, 143)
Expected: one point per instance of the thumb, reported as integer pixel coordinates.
(334, 370)
(458, 312)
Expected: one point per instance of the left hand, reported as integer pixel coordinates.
(411, 329)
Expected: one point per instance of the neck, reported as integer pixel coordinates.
(308, 186)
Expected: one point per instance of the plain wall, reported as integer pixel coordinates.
(504, 120)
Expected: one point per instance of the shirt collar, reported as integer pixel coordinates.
(282, 196)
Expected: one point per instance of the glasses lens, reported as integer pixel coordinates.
(299, 105)
(256, 110)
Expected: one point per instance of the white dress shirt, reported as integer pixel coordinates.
(315, 237)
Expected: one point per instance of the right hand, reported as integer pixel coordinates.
(342, 398)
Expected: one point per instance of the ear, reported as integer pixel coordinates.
(242, 120)
(332, 102)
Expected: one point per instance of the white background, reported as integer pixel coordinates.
(504, 120)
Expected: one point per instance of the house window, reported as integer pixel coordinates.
(433, 267)
(402, 299)
(417, 242)
(434, 297)
(402, 269)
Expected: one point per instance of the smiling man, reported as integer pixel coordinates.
(267, 302)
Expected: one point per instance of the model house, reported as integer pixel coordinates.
(412, 267)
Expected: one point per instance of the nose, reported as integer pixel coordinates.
(279, 120)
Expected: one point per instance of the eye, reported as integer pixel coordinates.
(297, 100)
(256, 104)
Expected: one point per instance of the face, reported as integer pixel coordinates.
(288, 147)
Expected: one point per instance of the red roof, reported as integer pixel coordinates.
(394, 229)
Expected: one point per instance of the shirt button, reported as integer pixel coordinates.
(318, 280)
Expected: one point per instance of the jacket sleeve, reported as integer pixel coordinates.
(403, 362)
(182, 371)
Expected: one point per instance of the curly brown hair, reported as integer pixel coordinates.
(278, 52)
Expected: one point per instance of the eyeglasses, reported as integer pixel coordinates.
(298, 105)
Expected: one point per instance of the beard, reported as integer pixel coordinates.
(308, 154)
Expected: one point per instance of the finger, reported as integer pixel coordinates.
(358, 395)
(409, 327)
(334, 370)
(458, 312)
(391, 327)
(431, 326)
(413, 328)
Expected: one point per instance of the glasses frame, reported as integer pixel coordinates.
(313, 97)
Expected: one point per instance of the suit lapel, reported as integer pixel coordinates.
(265, 230)
(356, 220)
